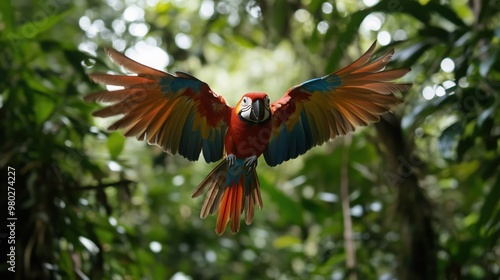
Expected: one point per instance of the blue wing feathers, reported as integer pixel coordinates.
(290, 144)
(318, 84)
(282, 143)
(322, 85)
(208, 152)
(171, 84)
(210, 149)
(213, 149)
(312, 125)
(307, 133)
(182, 83)
(190, 145)
(333, 80)
(219, 142)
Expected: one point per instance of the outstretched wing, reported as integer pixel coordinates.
(320, 109)
(179, 113)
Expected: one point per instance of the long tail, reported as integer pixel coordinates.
(231, 190)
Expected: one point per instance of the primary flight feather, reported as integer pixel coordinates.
(182, 115)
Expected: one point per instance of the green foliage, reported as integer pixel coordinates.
(93, 205)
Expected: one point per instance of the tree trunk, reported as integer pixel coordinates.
(417, 258)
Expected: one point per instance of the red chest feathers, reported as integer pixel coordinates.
(245, 139)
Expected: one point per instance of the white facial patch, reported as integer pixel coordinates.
(258, 112)
(246, 108)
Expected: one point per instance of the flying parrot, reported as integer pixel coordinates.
(182, 115)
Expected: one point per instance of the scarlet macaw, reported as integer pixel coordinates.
(181, 114)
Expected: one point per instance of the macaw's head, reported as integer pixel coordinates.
(254, 107)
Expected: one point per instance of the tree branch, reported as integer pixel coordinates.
(350, 249)
(121, 184)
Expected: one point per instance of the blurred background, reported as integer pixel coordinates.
(413, 197)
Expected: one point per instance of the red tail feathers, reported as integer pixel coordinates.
(230, 197)
(230, 209)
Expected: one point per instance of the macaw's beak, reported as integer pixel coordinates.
(258, 112)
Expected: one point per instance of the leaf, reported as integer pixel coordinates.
(463, 146)
(462, 171)
(89, 245)
(423, 12)
(486, 114)
(412, 8)
(33, 28)
(411, 54)
(424, 109)
(75, 58)
(446, 12)
(286, 241)
(448, 140)
(115, 144)
(346, 38)
(490, 206)
(244, 41)
(434, 32)
(290, 211)
(44, 107)
(316, 209)
(333, 261)
(7, 16)
(280, 17)
(485, 65)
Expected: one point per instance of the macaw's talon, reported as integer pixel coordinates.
(231, 159)
(251, 162)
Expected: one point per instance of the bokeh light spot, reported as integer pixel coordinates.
(400, 35)
(183, 41)
(133, 13)
(155, 246)
(370, 3)
(138, 29)
(207, 9)
(428, 93)
(384, 38)
(440, 91)
(447, 65)
(372, 22)
(327, 8)
(323, 27)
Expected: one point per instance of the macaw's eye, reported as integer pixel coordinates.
(245, 100)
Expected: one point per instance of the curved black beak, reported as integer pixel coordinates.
(258, 112)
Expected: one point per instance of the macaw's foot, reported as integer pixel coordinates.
(231, 159)
(251, 162)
